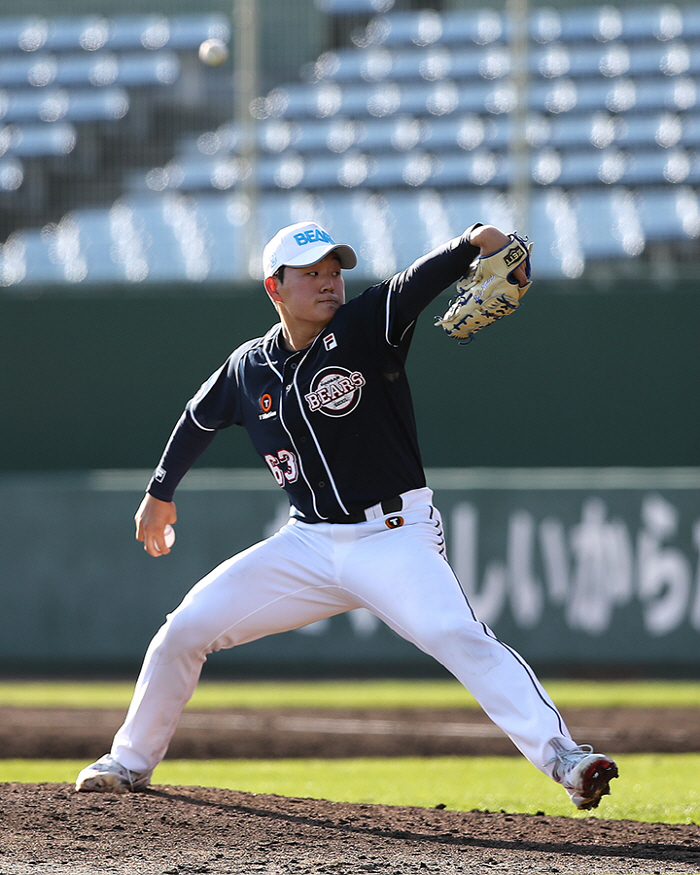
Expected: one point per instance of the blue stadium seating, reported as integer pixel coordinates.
(691, 22)
(26, 258)
(117, 33)
(409, 132)
(38, 140)
(11, 173)
(70, 33)
(608, 223)
(690, 130)
(354, 7)
(187, 31)
(669, 212)
(55, 104)
(98, 69)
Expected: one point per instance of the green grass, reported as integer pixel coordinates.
(493, 783)
(461, 783)
(348, 694)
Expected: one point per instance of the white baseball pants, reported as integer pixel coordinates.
(306, 572)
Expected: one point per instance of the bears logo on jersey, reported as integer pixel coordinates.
(335, 391)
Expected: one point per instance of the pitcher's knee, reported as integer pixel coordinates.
(454, 639)
(179, 636)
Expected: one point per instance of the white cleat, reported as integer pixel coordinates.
(108, 776)
(584, 775)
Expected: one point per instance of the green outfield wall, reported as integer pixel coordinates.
(575, 378)
(589, 572)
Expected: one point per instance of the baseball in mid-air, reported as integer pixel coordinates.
(213, 52)
(169, 536)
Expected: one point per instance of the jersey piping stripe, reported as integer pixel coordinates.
(526, 668)
(199, 424)
(269, 340)
(387, 319)
(331, 479)
(441, 534)
(280, 413)
(298, 454)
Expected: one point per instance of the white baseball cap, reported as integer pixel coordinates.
(302, 244)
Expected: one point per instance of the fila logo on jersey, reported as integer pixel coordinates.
(335, 391)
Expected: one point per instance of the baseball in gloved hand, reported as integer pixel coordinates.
(489, 291)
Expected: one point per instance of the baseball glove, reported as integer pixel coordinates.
(489, 291)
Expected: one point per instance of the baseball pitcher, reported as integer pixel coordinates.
(325, 400)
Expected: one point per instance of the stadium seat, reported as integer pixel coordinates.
(467, 206)
(669, 212)
(222, 218)
(690, 129)
(37, 70)
(354, 65)
(403, 28)
(582, 61)
(641, 129)
(583, 168)
(609, 224)
(481, 27)
(85, 69)
(96, 105)
(478, 168)
(691, 22)
(97, 246)
(677, 94)
(463, 130)
(149, 232)
(336, 134)
(597, 129)
(55, 104)
(552, 225)
(26, 259)
(661, 59)
(36, 141)
(363, 216)
(599, 23)
(419, 223)
(11, 173)
(354, 7)
(187, 31)
(133, 32)
(22, 33)
(657, 166)
(138, 70)
(399, 133)
(663, 22)
(72, 33)
(131, 70)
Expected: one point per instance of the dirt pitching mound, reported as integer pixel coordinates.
(48, 828)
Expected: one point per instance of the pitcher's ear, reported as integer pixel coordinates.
(271, 288)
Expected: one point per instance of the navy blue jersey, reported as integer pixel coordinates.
(333, 422)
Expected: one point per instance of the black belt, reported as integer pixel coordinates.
(390, 505)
